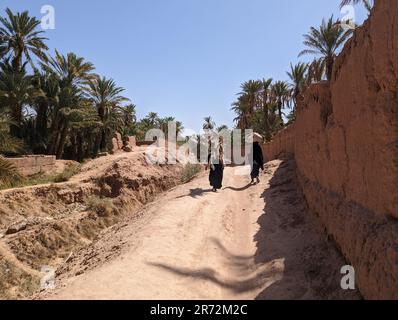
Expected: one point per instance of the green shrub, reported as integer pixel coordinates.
(68, 173)
(189, 172)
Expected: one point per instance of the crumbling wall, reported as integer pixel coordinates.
(31, 165)
(119, 144)
(345, 142)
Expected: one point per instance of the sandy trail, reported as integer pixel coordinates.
(245, 242)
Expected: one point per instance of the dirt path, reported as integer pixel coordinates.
(245, 242)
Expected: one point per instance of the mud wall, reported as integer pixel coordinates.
(31, 165)
(345, 142)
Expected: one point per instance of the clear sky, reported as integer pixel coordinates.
(184, 58)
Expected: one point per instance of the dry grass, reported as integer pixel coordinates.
(15, 283)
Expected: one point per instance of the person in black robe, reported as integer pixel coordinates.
(258, 162)
(216, 165)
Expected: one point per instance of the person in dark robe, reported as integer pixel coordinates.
(258, 162)
(216, 165)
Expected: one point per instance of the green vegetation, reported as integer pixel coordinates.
(261, 103)
(189, 172)
(56, 104)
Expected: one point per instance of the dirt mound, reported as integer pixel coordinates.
(44, 225)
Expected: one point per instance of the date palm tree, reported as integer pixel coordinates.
(326, 41)
(20, 38)
(297, 75)
(70, 69)
(281, 97)
(241, 110)
(209, 124)
(8, 172)
(222, 128)
(251, 89)
(49, 87)
(316, 71)
(266, 104)
(16, 91)
(106, 96)
(72, 74)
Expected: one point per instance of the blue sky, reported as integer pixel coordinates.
(184, 58)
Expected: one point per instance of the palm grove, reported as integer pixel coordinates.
(56, 104)
(261, 103)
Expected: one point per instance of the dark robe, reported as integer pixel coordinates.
(258, 160)
(216, 174)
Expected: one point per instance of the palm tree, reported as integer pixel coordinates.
(20, 38)
(367, 3)
(242, 111)
(70, 69)
(297, 75)
(84, 127)
(281, 97)
(153, 119)
(316, 71)
(16, 91)
(209, 124)
(106, 96)
(129, 114)
(179, 128)
(49, 87)
(251, 89)
(72, 73)
(266, 100)
(8, 172)
(326, 41)
(164, 124)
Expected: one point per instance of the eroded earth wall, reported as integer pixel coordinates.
(345, 142)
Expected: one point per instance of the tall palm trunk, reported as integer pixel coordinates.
(103, 140)
(56, 132)
(266, 123)
(16, 114)
(329, 67)
(17, 61)
(280, 111)
(80, 151)
(41, 125)
(61, 143)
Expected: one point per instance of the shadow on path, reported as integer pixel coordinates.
(241, 188)
(288, 231)
(246, 275)
(195, 193)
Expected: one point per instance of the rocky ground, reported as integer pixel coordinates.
(45, 225)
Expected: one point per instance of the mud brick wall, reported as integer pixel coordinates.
(131, 142)
(31, 165)
(345, 142)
